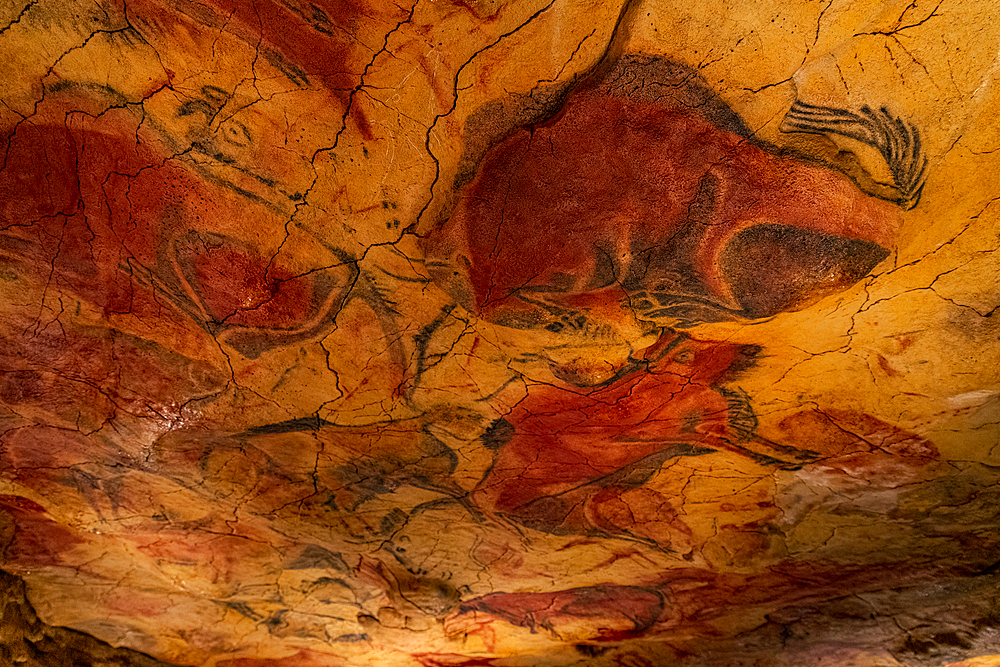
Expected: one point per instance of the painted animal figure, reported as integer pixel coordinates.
(645, 196)
(566, 454)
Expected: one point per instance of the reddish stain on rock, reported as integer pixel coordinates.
(21, 387)
(134, 603)
(452, 660)
(602, 612)
(304, 658)
(239, 287)
(862, 448)
(317, 36)
(38, 540)
(315, 43)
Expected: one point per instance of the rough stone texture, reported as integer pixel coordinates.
(489, 332)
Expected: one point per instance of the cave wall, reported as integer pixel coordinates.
(499, 333)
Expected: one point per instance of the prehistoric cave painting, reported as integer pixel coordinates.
(597, 613)
(896, 140)
(115, 211)
(360, 463)
(569, 459)
(644, 201)
(858, 448)
(646, 197)
(212, 499)
(574, 460)
(690, 600)
(193, 269)
(551, 479)
(311, 43)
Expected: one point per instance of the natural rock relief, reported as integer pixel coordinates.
(499, 333)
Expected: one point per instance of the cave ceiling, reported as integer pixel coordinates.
(500, 332)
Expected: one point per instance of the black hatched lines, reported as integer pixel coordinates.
(894, 138)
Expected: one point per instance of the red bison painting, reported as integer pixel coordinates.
(646, 196)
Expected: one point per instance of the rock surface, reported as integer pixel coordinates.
(499, 332)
